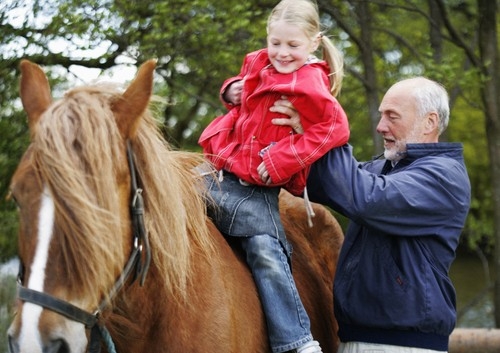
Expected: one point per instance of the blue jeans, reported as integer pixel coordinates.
(251, 213)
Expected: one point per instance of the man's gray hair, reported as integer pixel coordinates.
(430, 97)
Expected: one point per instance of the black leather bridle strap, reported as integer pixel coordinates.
(137, 217)
(59, 306)
(126, 273)
(135, 267)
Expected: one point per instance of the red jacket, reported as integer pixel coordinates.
(235, 141)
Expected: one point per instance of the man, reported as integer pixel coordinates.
(392, 291)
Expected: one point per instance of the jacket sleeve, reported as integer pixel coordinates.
(431, 192)
(215, 136)
(251, 60)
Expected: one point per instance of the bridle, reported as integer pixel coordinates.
(136, 267)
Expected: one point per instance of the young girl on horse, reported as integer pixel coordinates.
(256, 158)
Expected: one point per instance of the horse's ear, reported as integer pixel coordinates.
(131, 105)
(35, 92)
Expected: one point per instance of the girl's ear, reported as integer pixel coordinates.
(316, 42)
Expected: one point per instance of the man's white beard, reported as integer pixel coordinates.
(397, 152)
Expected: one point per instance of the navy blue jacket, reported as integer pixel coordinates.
(392, 284)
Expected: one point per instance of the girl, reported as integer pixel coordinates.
(256, 158)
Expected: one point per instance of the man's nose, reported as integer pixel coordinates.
(381, 126)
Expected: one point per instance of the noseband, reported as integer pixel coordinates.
(136, 267)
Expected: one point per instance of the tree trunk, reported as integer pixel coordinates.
(436, 42)
(363, 39)
(362, 9)
(488, 47)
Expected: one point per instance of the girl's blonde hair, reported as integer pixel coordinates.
(304, 13)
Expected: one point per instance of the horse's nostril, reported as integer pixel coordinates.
(13, 345)
(56, 346)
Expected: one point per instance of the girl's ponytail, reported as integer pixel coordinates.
(335, 61)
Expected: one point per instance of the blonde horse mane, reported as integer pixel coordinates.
(80, 155)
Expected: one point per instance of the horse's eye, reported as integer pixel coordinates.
(10, 197)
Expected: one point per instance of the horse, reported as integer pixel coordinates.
(116, 249)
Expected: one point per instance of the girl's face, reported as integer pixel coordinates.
(288, 46)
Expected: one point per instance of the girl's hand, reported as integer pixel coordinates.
(263, 173)
(233, 92)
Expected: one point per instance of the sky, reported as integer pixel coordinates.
(21, 10)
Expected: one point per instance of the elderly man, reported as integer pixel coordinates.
(392, 290)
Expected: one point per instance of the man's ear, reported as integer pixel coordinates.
(431, 123)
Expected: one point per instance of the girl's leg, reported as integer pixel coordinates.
(287, 321)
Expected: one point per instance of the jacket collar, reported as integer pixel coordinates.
(415, 151)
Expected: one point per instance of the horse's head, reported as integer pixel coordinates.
(73, 190)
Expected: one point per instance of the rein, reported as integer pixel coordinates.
(136, 267)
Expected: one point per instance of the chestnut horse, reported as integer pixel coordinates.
(115, 245)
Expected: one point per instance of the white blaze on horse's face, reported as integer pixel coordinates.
(29, 337)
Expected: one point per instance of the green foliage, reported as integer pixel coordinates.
(9, 227)
(13, 141)
(468, 125)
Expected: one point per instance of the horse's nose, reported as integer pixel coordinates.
(55, 346)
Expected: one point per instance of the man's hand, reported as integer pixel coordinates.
(284, 106)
